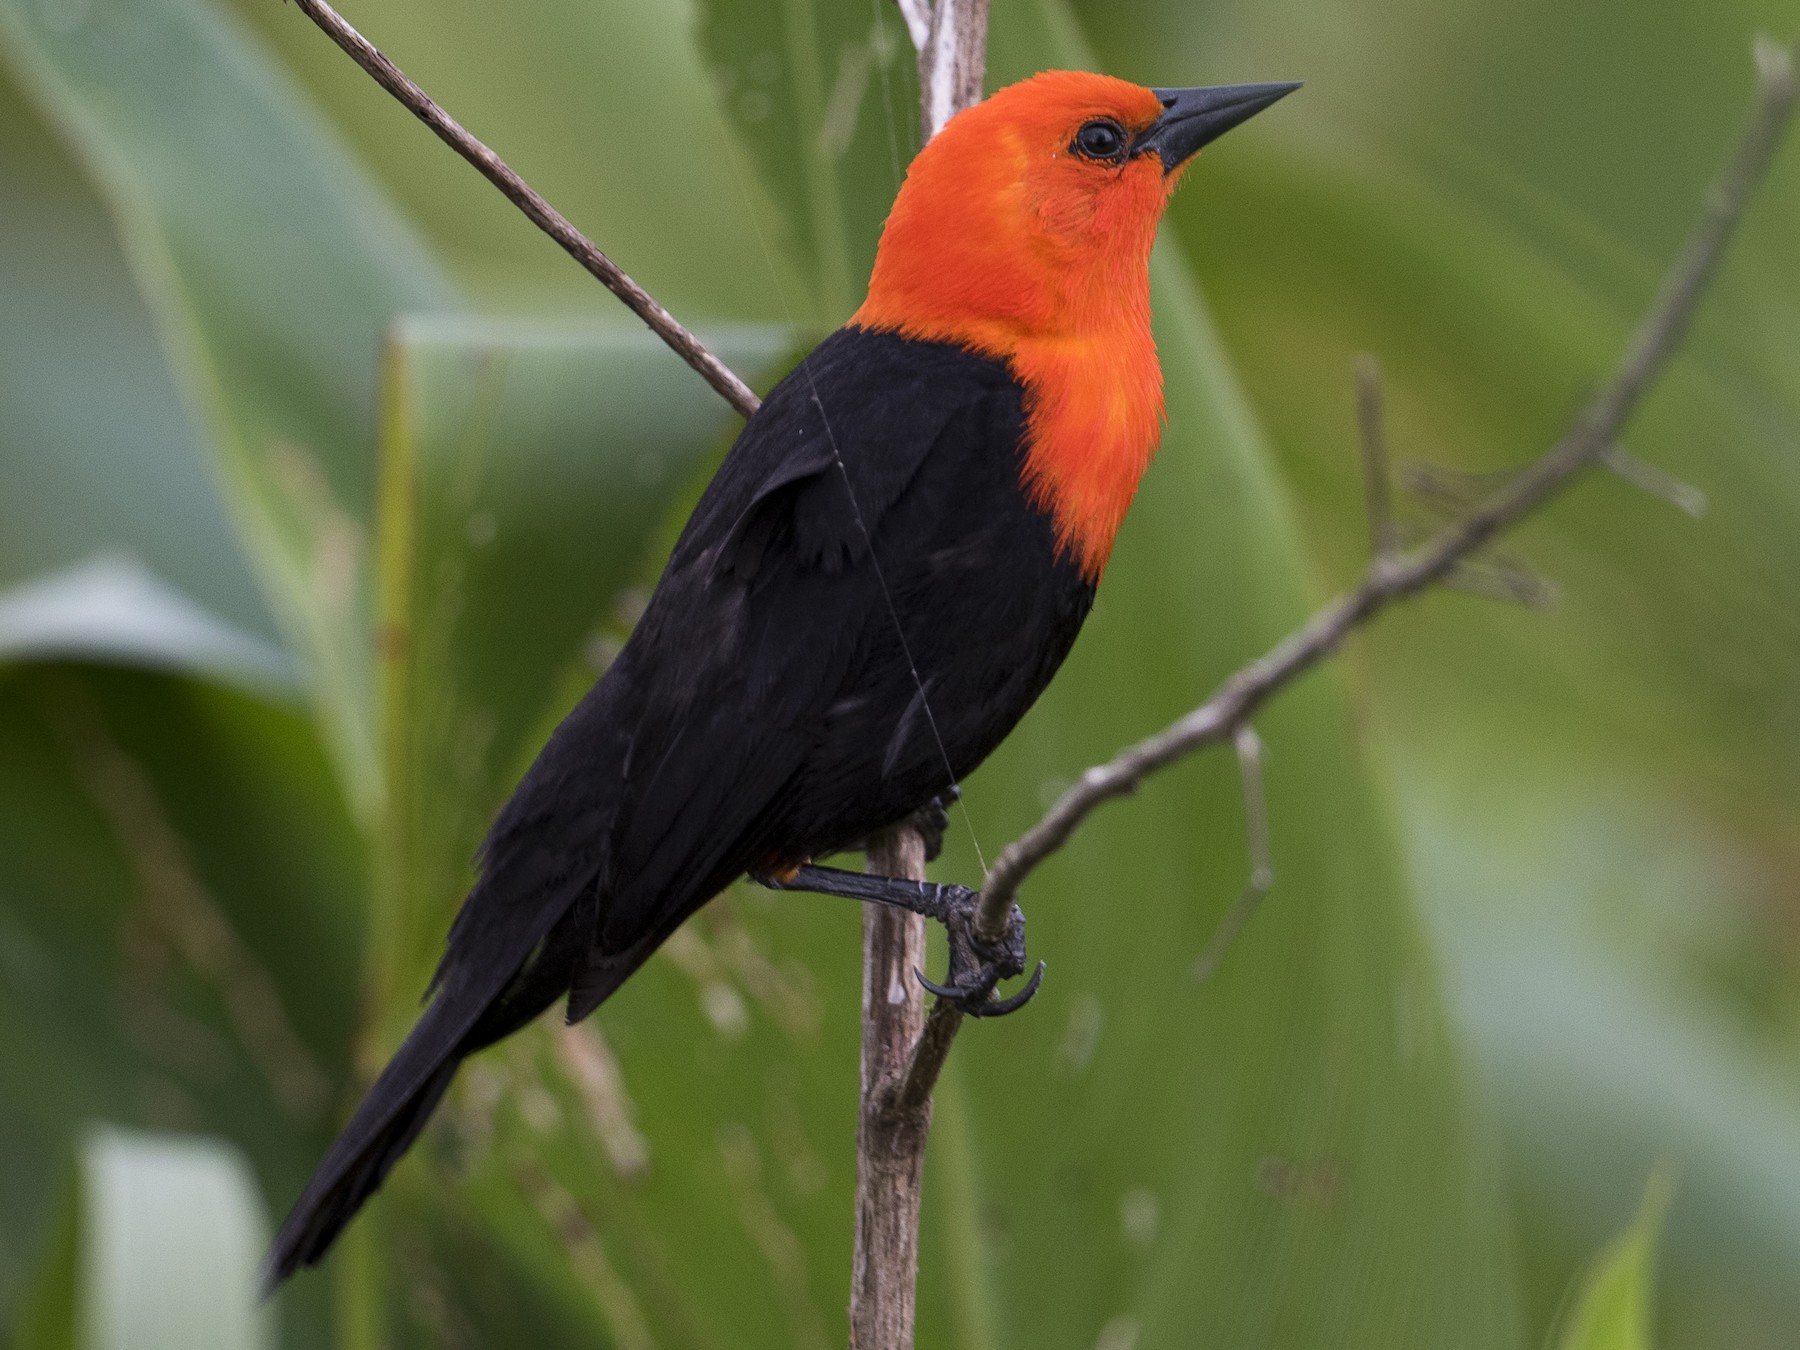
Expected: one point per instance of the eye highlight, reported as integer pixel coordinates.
(1101, 139)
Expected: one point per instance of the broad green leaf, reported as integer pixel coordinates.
(179, 919)
(96, 452)
(1596, 1070)
(825, 98)
(45, 1316)
(158, 1246)
(525, 471)
(111, 609)
(172, 1237)
(1614, 1309)
(272, 265)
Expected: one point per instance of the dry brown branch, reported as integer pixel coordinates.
(1655, 481)
(894, 1109)
(521, 194)
(1595, 431)
(952, 60)
(917, 14)
(890, 1138)
(1262, 865)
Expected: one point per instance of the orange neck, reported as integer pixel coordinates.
(1093, 413)
(1057, 286)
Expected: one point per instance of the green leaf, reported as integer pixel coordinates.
(1596, 1069)
(825, 97)
(1614, 1308)
(1597, 800)
(272, 266)
(46, 1316)
(111, 609)
(173, 1233)
(179, 918)
(525, 469)
(96, 452)
(606, 109)
(158, 1248)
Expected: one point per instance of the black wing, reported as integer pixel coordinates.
(775, 607)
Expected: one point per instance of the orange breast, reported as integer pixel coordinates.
(1094, 413)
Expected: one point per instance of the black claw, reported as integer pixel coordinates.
(951, 992)
(977, 998)
(1013, 1004)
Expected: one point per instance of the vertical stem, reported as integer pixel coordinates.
(953, 61)
(890, 1130)
(890, 1142)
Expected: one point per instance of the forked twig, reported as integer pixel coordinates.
(1262, 865)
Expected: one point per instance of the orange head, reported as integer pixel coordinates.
(1023, 231)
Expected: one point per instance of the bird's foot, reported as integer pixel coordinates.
(978, 966)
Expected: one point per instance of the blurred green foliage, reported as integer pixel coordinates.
(379, 478)
(1612, 1308)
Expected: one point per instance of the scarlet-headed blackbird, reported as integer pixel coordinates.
(886, 571)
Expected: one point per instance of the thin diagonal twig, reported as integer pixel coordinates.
(1262, 866)
(522, 195)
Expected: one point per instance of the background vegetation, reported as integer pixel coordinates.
(326, 484)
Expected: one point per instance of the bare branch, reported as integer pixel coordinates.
(520, 193)
(917, 14)
(890, 1143)
(932, 1048)
(900, 1062)
(1262, 866)
(1384, 540)
(952, 61)
(1595, 430)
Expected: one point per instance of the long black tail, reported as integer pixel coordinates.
(382, 1129)
(474, 1006)
(526, 931)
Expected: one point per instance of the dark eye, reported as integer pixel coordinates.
(1102, 138)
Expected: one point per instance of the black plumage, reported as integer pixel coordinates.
(862, 605)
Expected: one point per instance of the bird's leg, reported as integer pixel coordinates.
(976, 967)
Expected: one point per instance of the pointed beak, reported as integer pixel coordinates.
(1193, 117)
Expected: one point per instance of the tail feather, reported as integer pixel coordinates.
(383, 1128)
(475, 1005)
(343, 1184)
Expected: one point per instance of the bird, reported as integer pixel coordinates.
(888, 567)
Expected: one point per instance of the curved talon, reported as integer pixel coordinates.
(953, 993)
(1014, 1003)
(977, 999)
